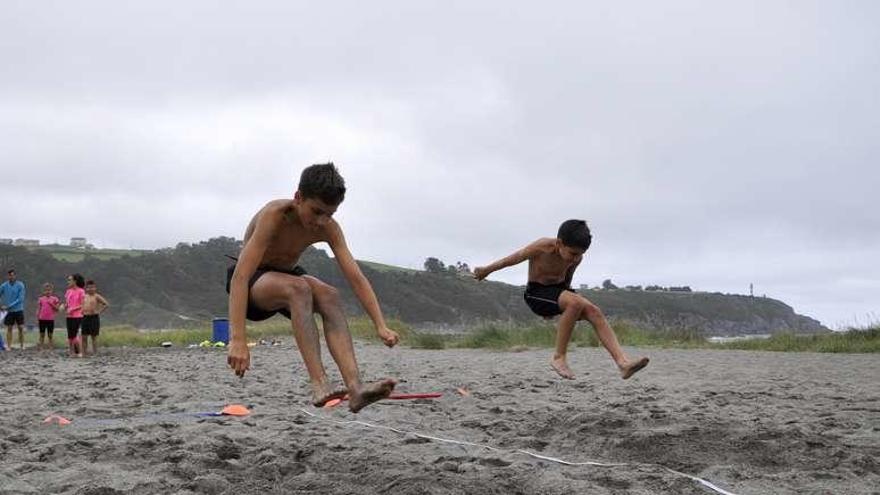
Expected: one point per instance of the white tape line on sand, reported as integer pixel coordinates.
(701, 481)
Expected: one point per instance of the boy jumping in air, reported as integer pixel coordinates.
(266, 280)
(552, 263)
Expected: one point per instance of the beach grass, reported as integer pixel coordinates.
(128, 336)
(501, 336)
(514, 336)
(854, 340)
(510, 336)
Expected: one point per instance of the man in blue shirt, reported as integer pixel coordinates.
(12, 294)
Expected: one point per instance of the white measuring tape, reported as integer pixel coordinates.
(525, 452)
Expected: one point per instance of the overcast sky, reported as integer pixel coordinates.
(710, 144)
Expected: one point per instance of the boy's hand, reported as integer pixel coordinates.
(389, 337)
(239, 358)
(481, 272)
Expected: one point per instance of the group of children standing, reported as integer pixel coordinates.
(83, 306)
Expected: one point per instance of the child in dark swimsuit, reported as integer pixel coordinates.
(552, 263)
(93, 305)
(266, 280)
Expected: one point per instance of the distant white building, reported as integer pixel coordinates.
(78, 242)
(27, 242)
(6, 241)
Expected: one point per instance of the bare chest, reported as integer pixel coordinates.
(286, 247)
(548, 269)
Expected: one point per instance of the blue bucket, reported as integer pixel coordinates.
(221, 330)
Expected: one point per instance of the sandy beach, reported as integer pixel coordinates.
(745, 422)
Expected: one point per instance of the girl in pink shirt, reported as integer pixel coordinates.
(74, 298)
(47, 305)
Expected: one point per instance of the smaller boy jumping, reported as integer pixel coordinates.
(552, 263)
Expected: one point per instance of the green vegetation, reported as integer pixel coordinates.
(128, 336)
(851, 341)
(184, 287)
(511, 336)
(70, 254)
(504, 336)
(381, 267)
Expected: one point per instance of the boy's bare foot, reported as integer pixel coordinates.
(630, 368)
(321, 394)
(370, 393)
(560, 366)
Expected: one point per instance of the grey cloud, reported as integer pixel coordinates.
(711, 145)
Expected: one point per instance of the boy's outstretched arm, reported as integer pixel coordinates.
(516, 258)
(359, 283)
(239, 358)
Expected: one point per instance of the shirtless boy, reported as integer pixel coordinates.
(552, 263)
(266, 280)
(93, 305)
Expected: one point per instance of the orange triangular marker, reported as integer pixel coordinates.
(61, 420)
(235, 410)
(332, 403)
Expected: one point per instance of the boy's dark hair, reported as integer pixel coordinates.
(79, 280)
(10, 271)
(322, 181)
(90, 282)
(576, 234)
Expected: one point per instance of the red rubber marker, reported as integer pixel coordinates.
(434, 395)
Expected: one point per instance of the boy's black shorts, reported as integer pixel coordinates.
(543, 300)
(14, 318)
(253, 312)
(47, 326)
(91, 325)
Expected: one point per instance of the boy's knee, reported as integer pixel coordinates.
(330, 295)
(591, 311)
(299, 291)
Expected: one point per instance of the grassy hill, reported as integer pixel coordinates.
(75, 255)
(185, 286)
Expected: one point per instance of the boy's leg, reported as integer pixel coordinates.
(21, 336)
(329, 305)
(9, 341)
(571, 313)
(275, 291)
(592, 313)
